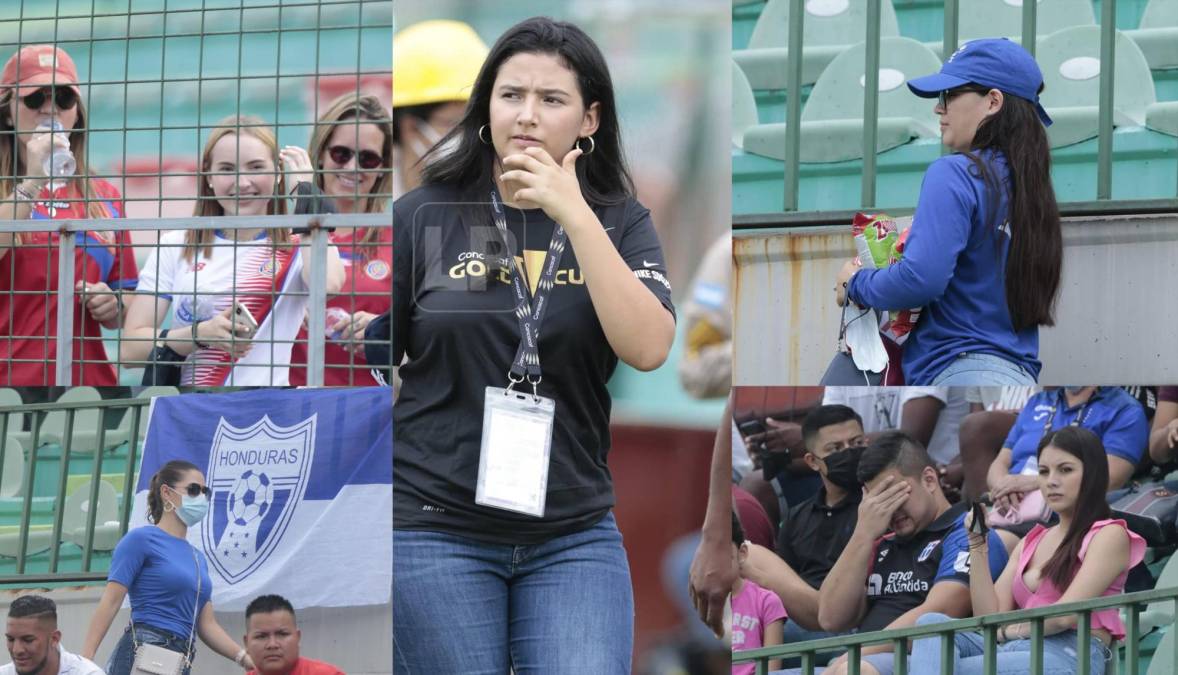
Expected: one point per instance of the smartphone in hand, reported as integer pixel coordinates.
(242, 315)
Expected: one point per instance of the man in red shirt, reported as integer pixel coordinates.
(272, 640)
(44, 82)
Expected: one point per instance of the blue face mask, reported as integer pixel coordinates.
(193, 509)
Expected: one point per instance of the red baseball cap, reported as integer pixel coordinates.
(39, 65)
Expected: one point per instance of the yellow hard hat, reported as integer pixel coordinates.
(435, 61)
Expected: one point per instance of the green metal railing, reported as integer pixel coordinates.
(988, 625)
(871, 105)
(10, 416)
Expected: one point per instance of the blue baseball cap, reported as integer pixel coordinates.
(993, 62)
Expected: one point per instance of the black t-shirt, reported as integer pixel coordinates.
(813, 534)
(453, 319)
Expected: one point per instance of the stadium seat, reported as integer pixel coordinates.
(1157, 35)
(832, 129)
(106, 520)
(86, 423)
(829, 28)
(1004, 18)
(1162, 662)
(1070, 60)
(11, 397)
(122, 433)
(744, 106)
(1161, 613)
(14, 467)
(40, 540)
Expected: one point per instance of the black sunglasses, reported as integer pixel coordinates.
(63, 97)
(949, 94)
(342, 154)
(195, 489)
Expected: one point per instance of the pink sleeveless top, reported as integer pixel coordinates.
(1048, 594)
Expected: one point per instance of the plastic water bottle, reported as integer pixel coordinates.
(334, 315)
(60, 163)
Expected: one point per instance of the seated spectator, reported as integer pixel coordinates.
(1111, 413)
(757, 614)
(780, 477)
(930, 415)
(236, 297)
(757, 527)
(34, 641)
(272, 640)
(1086, 555)
(909, 551)
(1163, 439)
(992, 412)
(817, 530)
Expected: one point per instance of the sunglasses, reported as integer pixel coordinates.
(194, 489)
(949, 94)
(63, 97)
(342, 154)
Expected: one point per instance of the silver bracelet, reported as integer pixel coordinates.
(21, 192)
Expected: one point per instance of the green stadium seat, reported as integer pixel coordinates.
(1070, 60)
(106, 520)
(1157, 35)
(86, 421)
(14, 467)
(1162, 662)
(832, 126)
(1004, 18)
(829, 28)
(1161, 613)
(40, 540)
(744, 106)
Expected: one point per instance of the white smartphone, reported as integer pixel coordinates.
(241, 314)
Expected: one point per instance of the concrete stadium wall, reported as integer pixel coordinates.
(1116, 320)
(357, 639)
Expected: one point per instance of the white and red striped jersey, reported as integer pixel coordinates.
(266, 279)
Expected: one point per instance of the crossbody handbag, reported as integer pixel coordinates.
(156, 660)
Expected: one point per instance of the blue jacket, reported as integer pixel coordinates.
(954, 267)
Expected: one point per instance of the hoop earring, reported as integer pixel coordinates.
(167, 504)
(592, 145)
(484, 140)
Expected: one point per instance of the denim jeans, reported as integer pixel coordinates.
(123, 657)
(565, 606)
(1014, 656)
(983, 370)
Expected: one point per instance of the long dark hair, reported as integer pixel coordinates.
(602, 174)
(1091, 504)
(1035, 257)
(167, 475)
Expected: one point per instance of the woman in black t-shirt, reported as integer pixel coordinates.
(537, 154)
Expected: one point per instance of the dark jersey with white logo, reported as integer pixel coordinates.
(453, 320)
(903, 571)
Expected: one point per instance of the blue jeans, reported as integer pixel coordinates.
(123, 657)
(1014, 657)
(464, 606)
(983, 370)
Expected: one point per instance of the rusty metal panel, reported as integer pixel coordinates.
(1115, 323)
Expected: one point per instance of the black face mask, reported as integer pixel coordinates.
(841, 467)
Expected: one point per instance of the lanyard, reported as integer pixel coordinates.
(1080, 416)
(529, 308)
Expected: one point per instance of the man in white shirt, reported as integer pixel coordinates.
(34, 642)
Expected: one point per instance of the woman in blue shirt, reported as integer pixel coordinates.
(158, 568)
(985, 252)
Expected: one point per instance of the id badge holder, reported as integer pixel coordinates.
(517, 444)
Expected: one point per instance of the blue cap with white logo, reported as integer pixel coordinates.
(993, 62)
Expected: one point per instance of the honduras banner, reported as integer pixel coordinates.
(302, 481)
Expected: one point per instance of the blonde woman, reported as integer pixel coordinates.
(236, 297)
(39, 87)
(352, 146)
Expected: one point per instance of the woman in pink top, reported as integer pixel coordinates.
(758, 617)
(1086, 555)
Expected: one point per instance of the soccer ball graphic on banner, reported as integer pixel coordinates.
(250, 497)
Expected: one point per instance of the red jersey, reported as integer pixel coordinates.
(305, 666)
(370, 279)
(28, 293)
